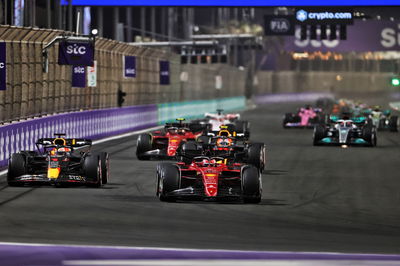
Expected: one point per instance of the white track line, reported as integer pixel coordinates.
(197, 250)
(4, 172)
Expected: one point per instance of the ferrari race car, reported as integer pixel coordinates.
(345, 132)
(61, 162)
(163, 144)
(306, 117)
(208, 178)
(233, 121)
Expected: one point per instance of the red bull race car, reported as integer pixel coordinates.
(61, 162)
(164, 144)
(226, 145)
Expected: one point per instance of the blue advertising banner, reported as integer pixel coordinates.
(164, 72)
(79, 76)
(3, 66)
(129, 66)
(232, 3)
(77, 54)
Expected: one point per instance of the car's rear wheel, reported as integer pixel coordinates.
(287, 119)
(16, 168)
(144, 144)
(105, 167)
(393, 123)
(168, 180)
(251, 185)
(318, 134)
(92, 170)
(256, 155)
(369, 135)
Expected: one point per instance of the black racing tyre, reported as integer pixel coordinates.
(318, 134)
(369, 135)
(144, 144)
(168, 180)
(16, 168)
(92, 170)
(251, 185)
(105, 167)
(241, 126)
(287, 119)
(393, 123)
(256, 155)
(382, 124)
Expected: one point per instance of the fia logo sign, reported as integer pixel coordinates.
(279, 25)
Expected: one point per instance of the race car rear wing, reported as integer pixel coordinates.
(67, 142)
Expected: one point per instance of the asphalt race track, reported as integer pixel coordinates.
(314, 199)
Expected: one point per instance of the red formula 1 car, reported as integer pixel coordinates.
(208, 178)
(164, 144)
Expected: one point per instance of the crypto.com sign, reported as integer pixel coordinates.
(321, 16)
(74, 53)
(363, 36)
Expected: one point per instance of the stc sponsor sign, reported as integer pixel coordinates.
(79, 76)
(324, 16)
(77, 54)
(129, 66)
(164, 73)
(363, 36)
(3, 66)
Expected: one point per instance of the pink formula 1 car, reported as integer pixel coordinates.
(306, 117)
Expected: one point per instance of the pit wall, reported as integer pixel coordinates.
(97, 124)
(32, 93)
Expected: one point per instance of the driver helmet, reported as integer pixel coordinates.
(205, 162)
(224, 142)
(181, 131)
(173, 130)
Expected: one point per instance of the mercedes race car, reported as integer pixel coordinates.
(61, 162)
(208, 178)
(163, 144)
(233, 121)
(306, 117)
(345, 132)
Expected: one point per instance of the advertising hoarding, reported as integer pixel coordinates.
(75, 53)
(232, 3)
(164, 73)
(79, 76)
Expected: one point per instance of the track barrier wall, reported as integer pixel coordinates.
(96, 124)
(32, 93)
